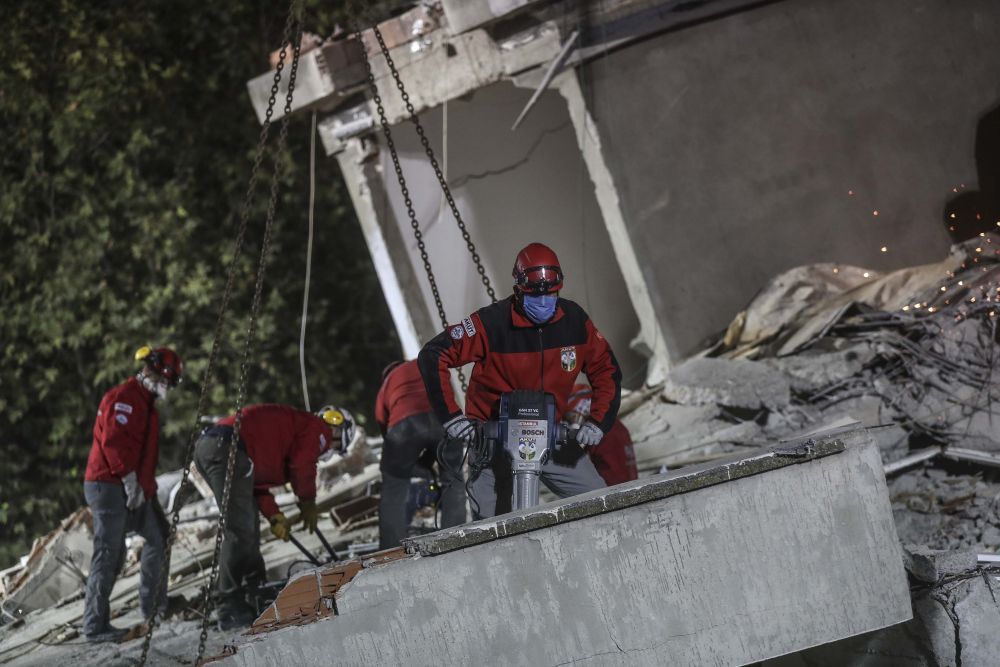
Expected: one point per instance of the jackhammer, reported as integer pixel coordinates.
(529, 434)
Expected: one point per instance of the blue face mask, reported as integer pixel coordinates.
(539, 309)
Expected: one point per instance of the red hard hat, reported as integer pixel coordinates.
(164, 361)
(537, 271)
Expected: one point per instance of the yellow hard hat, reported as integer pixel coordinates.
(332, 416)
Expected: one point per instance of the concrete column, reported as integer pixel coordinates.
(650, 335)
(360, 166)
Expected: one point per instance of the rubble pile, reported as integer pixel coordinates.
(911, 354)
(42, 597)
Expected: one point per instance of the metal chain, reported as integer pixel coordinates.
(206, 386)
(434, 163)
(414, 223)
(252, 330)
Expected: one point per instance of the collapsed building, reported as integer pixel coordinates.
(810, 372)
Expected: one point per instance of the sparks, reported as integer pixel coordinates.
(866, 274)
(884, 248)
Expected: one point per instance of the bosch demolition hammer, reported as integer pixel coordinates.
(528, 432)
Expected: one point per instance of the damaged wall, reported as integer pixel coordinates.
(512, 188)
(764, 120)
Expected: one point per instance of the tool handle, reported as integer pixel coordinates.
(309, 555)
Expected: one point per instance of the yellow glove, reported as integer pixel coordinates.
(280, 527)
(310, 516)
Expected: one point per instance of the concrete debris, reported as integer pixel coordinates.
(737, 384)
(41, 626)
(55, 569)
(931, 566)
(609, 587)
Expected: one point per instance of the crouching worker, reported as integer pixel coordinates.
(412, 433)
(613, 456)
(120, 488)
(277, 444)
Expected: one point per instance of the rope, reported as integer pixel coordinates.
(213, 356)
(309, 249)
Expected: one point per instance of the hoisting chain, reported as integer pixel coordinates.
(213, 356)
(434, 163)
(414, 223)
(296, 41)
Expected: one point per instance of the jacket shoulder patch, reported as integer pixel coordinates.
(123, 407)
(120, 418)
(457, 332)
(470, 328)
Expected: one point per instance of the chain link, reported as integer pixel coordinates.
(213, 357)
(434, 163)
(414, 223)
(252, 330)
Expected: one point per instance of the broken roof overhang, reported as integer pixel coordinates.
(447, 50)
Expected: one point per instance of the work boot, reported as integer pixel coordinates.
(112, 634)
(236, 618)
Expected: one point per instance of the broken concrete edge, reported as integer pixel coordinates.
(312, 594)
(310, 597)
(637, 492)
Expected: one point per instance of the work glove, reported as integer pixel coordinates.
(309, 514)
(280, 527)
(134, 497)
(589, 435)
(460, 428)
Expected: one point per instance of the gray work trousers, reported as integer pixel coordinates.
(412, 440)
(241, 567)
(112, 521)
(567, 473)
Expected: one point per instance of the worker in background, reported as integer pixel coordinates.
(614, 457)
(532, 341)
(277, 445)
(412, 433)
(120, 488)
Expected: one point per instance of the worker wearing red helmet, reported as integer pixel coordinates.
(614, 457)
(278, 444)
(532, 341)
(120, 488)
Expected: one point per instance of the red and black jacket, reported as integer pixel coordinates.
(126, 438)
(511, 352)
(284, 444)
(402, 395)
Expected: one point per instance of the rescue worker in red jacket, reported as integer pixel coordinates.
(412, 434)
(277, 444)
(120, 488)
(614, 457)
(532, 341)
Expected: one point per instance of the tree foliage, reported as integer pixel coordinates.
(127, 145)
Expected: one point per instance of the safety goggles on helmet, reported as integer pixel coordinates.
(164, 361)
(538, 279)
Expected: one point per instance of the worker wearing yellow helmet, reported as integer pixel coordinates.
(277, 445)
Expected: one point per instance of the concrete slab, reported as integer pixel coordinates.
(729, 564)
